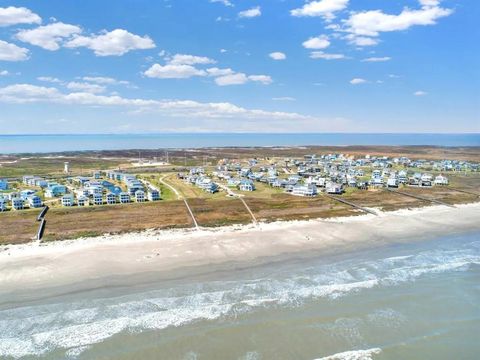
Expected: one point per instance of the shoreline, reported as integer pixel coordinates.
(133, 255)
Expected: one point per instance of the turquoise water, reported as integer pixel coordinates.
(58, 143)
(411, 301)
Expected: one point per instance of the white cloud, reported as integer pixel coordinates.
(377, 59)
(49, 36)
(264, 79)
(284, 98)
(277, 55)
(420, 93)
(86, 87)
(326, 56)
(17, 15)
(224, 2)
(183, 59)
(319, 42)
(250, 13)
(104, 80)
(219, 72)
(362, 40)
(232, 79)
(357, 81)
(49, 79)
(170, 71)
(113, 43)
(324, 8)
(12, 52)
(4, 73)
(373, 22)
(26, 93)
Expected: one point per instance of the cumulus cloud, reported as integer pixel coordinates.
(4, 73)
(27, 93)
(373, 22)
(184, 59)
(17, 15)
(326, 56)
(324, 8)
(104, 80)
(357, 81)
(377, 59)
(250, 13)
(277, 55)
(171, 71)
(241, 78)
(112, 43)
(284, 98)
(50, 36)
(12, 52)
(319, 42)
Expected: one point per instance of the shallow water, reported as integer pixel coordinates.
(413, 301)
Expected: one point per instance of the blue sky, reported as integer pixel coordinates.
(143, 66)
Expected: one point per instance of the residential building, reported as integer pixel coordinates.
(111, 198)
(17, 203)
(3, 184)
(140, 196)
(153, 195)
(82, 200)
(304, 190)
(97, 199)
(124, 197)
(67, 200)
(441, 180)
(34, 201)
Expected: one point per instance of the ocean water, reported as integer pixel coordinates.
(411, 301)
(57, 143)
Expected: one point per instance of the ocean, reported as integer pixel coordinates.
(417, 300)
(57, 143)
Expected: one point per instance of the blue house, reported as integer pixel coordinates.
(3, 184)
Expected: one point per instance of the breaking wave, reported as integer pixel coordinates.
(354, 355)
(40, 329)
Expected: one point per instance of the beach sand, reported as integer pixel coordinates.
(82, 262)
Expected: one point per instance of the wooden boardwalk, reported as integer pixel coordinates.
(418, 197)
(343, 201)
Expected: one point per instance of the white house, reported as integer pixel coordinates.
(97, 199)
(34, 201)
(124, 197)
(333, 188)
(304, 190)
(82, 200)
(392, 182)
(111, 198)
(153, 195)
(140, 196)
(17, 203)
(441, 180)
(67, 200)
(3, 204)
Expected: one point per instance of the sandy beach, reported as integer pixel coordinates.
(71, 262)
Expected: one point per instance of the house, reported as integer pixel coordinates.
(426, 180)
(67, 200)
(246, 185)
(3, 204)
(24, 194)
(392, 182)
(111, 198)
(97, 199)
(34, 201)
(17, 203)
(54, 189)
(3, 184)
(82, 200)
(140, 196)
(333, 188)
(124, 197)
(153, 195)
(441, 180)
(97, 175)
(304, 190)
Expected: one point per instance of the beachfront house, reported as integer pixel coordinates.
(17, 203)
(82, 200)
(333, 188)
(111, 198)
(441, 180)
(304, 190)
(3, 184)
(97, 199)
(392, 182)
(426, 180)
(124, 197)
(3, 204)
(67, 200)
(153, 195)
(140, 196)
(34, 201)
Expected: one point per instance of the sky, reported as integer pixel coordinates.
(159, 66)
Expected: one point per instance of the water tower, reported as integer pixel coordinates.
(66, 167)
